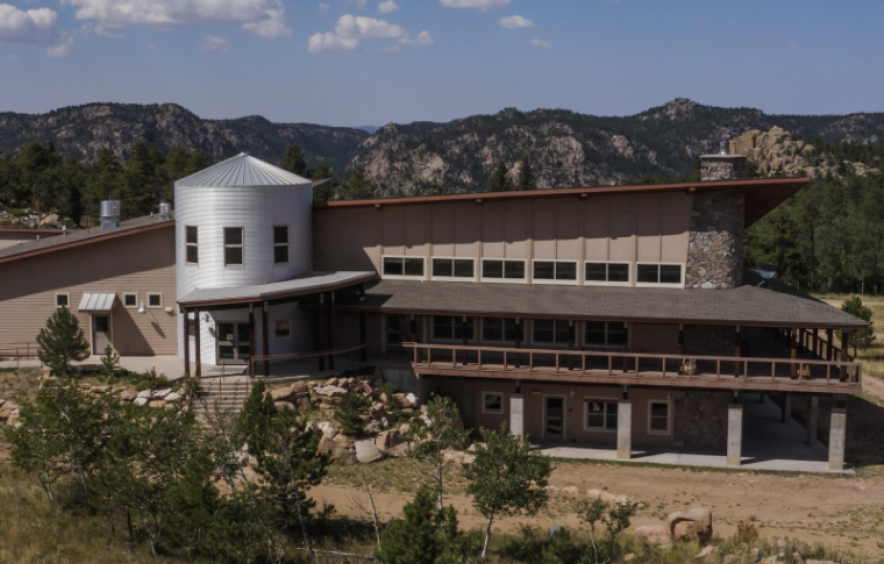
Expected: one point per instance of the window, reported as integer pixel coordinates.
(452, 328)
(233, 246)
(551, 331)
(130, 300)
(404, 266)
(600, 415)
(492, 402)
(497, 269)
(605, 334)
(63, 300)
(496, 329)
(554, 270)
(280, 244)
(191, 242)
(658, 417)
(659, 274)
(454, 268)
(154, 300)
(606, 272)
(282, 329)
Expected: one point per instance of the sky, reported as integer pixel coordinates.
(370, 62)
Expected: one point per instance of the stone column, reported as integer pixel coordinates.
(624, 429)
(837, 438)
(517, 415)
(734, 434)
(813, 419)
(787, 409)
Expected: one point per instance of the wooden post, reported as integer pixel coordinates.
(265, 341)
(186, 333)
(363, 352)
(196, 342)
(251, 340)
(571, 331)
(829, 340)
(463, 328)
(331, 329)
(680, 339)
(816, 343)
(320, 332)
(845, 338)
(412, 328)
(794, 367)
(738, 340)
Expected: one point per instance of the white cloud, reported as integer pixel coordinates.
(36, 27)
(483, 5)
(515, 22)
(387, 6)
(101, 29)
(542, 44)
(360, 4)
(263, 17)
(212, 43)
(330, 43)
(361, 27)
(423, 39)
(324, 8)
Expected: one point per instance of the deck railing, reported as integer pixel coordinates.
(18, 351)
(632, 364)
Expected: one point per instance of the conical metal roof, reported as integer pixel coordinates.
(242, 170)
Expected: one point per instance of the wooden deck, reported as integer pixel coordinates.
(801, 375)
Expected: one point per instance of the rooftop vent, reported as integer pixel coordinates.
(722, 165)
(723, 150)
(165, 211)
(110, 214)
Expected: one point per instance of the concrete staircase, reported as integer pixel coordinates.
(228, 394)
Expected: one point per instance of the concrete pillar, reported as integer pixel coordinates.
(517, 415)
(734, 434)
(813, 419)
(624, 429)
(837, 438)
(787, 409)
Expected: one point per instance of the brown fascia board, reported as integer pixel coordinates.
(790, 185)
(88, 241)
(741, 323)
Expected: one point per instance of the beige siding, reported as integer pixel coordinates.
(141, 263)
(334, 235)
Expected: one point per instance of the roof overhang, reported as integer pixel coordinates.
(97, 302)
(762, 194)
(304, 285)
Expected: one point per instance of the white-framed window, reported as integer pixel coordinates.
(453, 328)
(280, 244)
(551, 331)
(403, 267)
(282, 329)
(63, 299)
(233, 246)
(658, 417)
(607, 273)
(659, 274)
(599, 414)
(504, 270)
(154, 299)
(492, 402)
(607, 334)
(554, 271)
(191, 243)
(502, 330)
(130, 299)
(453, 268)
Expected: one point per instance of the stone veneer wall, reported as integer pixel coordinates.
(700, 419)
(722, 167)
(715, 247)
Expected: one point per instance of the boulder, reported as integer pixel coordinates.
(328, 429)
(343, 440)
(401, 399)
(173, 397)
(377, 411)
(458, 456)
(157, 402)
(2, 402)
(367, 451)
(140, 402)
(696, 524)
(313, 428)
(303, 405)
(145, 394)
(607, 496)
(393, 443)
(367, 390)
(300, 387)
(708, 552)
(100, 389)
(653, 534)
(411, 399)
(337, 452)
(372, 428)
(128, 396)
(12, 419)
(283, 405)
(281, 394)
(161, 394)
(330, 391)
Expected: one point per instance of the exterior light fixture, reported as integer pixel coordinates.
(141, 308)
(571, 394)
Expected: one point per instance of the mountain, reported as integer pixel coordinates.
(368, 128)
(81, 131)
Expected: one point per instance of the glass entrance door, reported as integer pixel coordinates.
(554, 415)
(233, 343)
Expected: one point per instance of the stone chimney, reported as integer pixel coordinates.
(722, 166)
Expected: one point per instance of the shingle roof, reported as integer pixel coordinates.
(242, 170)
(744, 305)
(82, 236)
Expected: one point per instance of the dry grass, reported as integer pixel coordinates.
(16, 384)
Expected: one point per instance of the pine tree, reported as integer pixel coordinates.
(526, 175)
(109, 360)
(62, 342)
(416, 538)
(862, 338)
(358, 186)
(294, 161)
(446, 433)
(499, 181)
(349, 414)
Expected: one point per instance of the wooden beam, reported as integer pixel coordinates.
(251, 340)
(265, 334)
(186, 333)
(196, 342)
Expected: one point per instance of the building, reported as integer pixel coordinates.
(616, 315)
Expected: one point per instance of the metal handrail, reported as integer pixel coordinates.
(19, 351)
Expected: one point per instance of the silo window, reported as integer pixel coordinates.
(233, 246)
(192, 243)
(280, 244)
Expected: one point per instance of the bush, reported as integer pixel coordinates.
(747, 532)
(349, 415)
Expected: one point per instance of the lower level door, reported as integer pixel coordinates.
(233, 342)
(554, 414)
(101, 333)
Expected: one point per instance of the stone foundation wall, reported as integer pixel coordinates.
(709, 340)
(700, 419)
(715, 247)
(718, 167)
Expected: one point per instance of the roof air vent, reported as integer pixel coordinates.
(110, 214)
(723, 146)
(165, 211)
